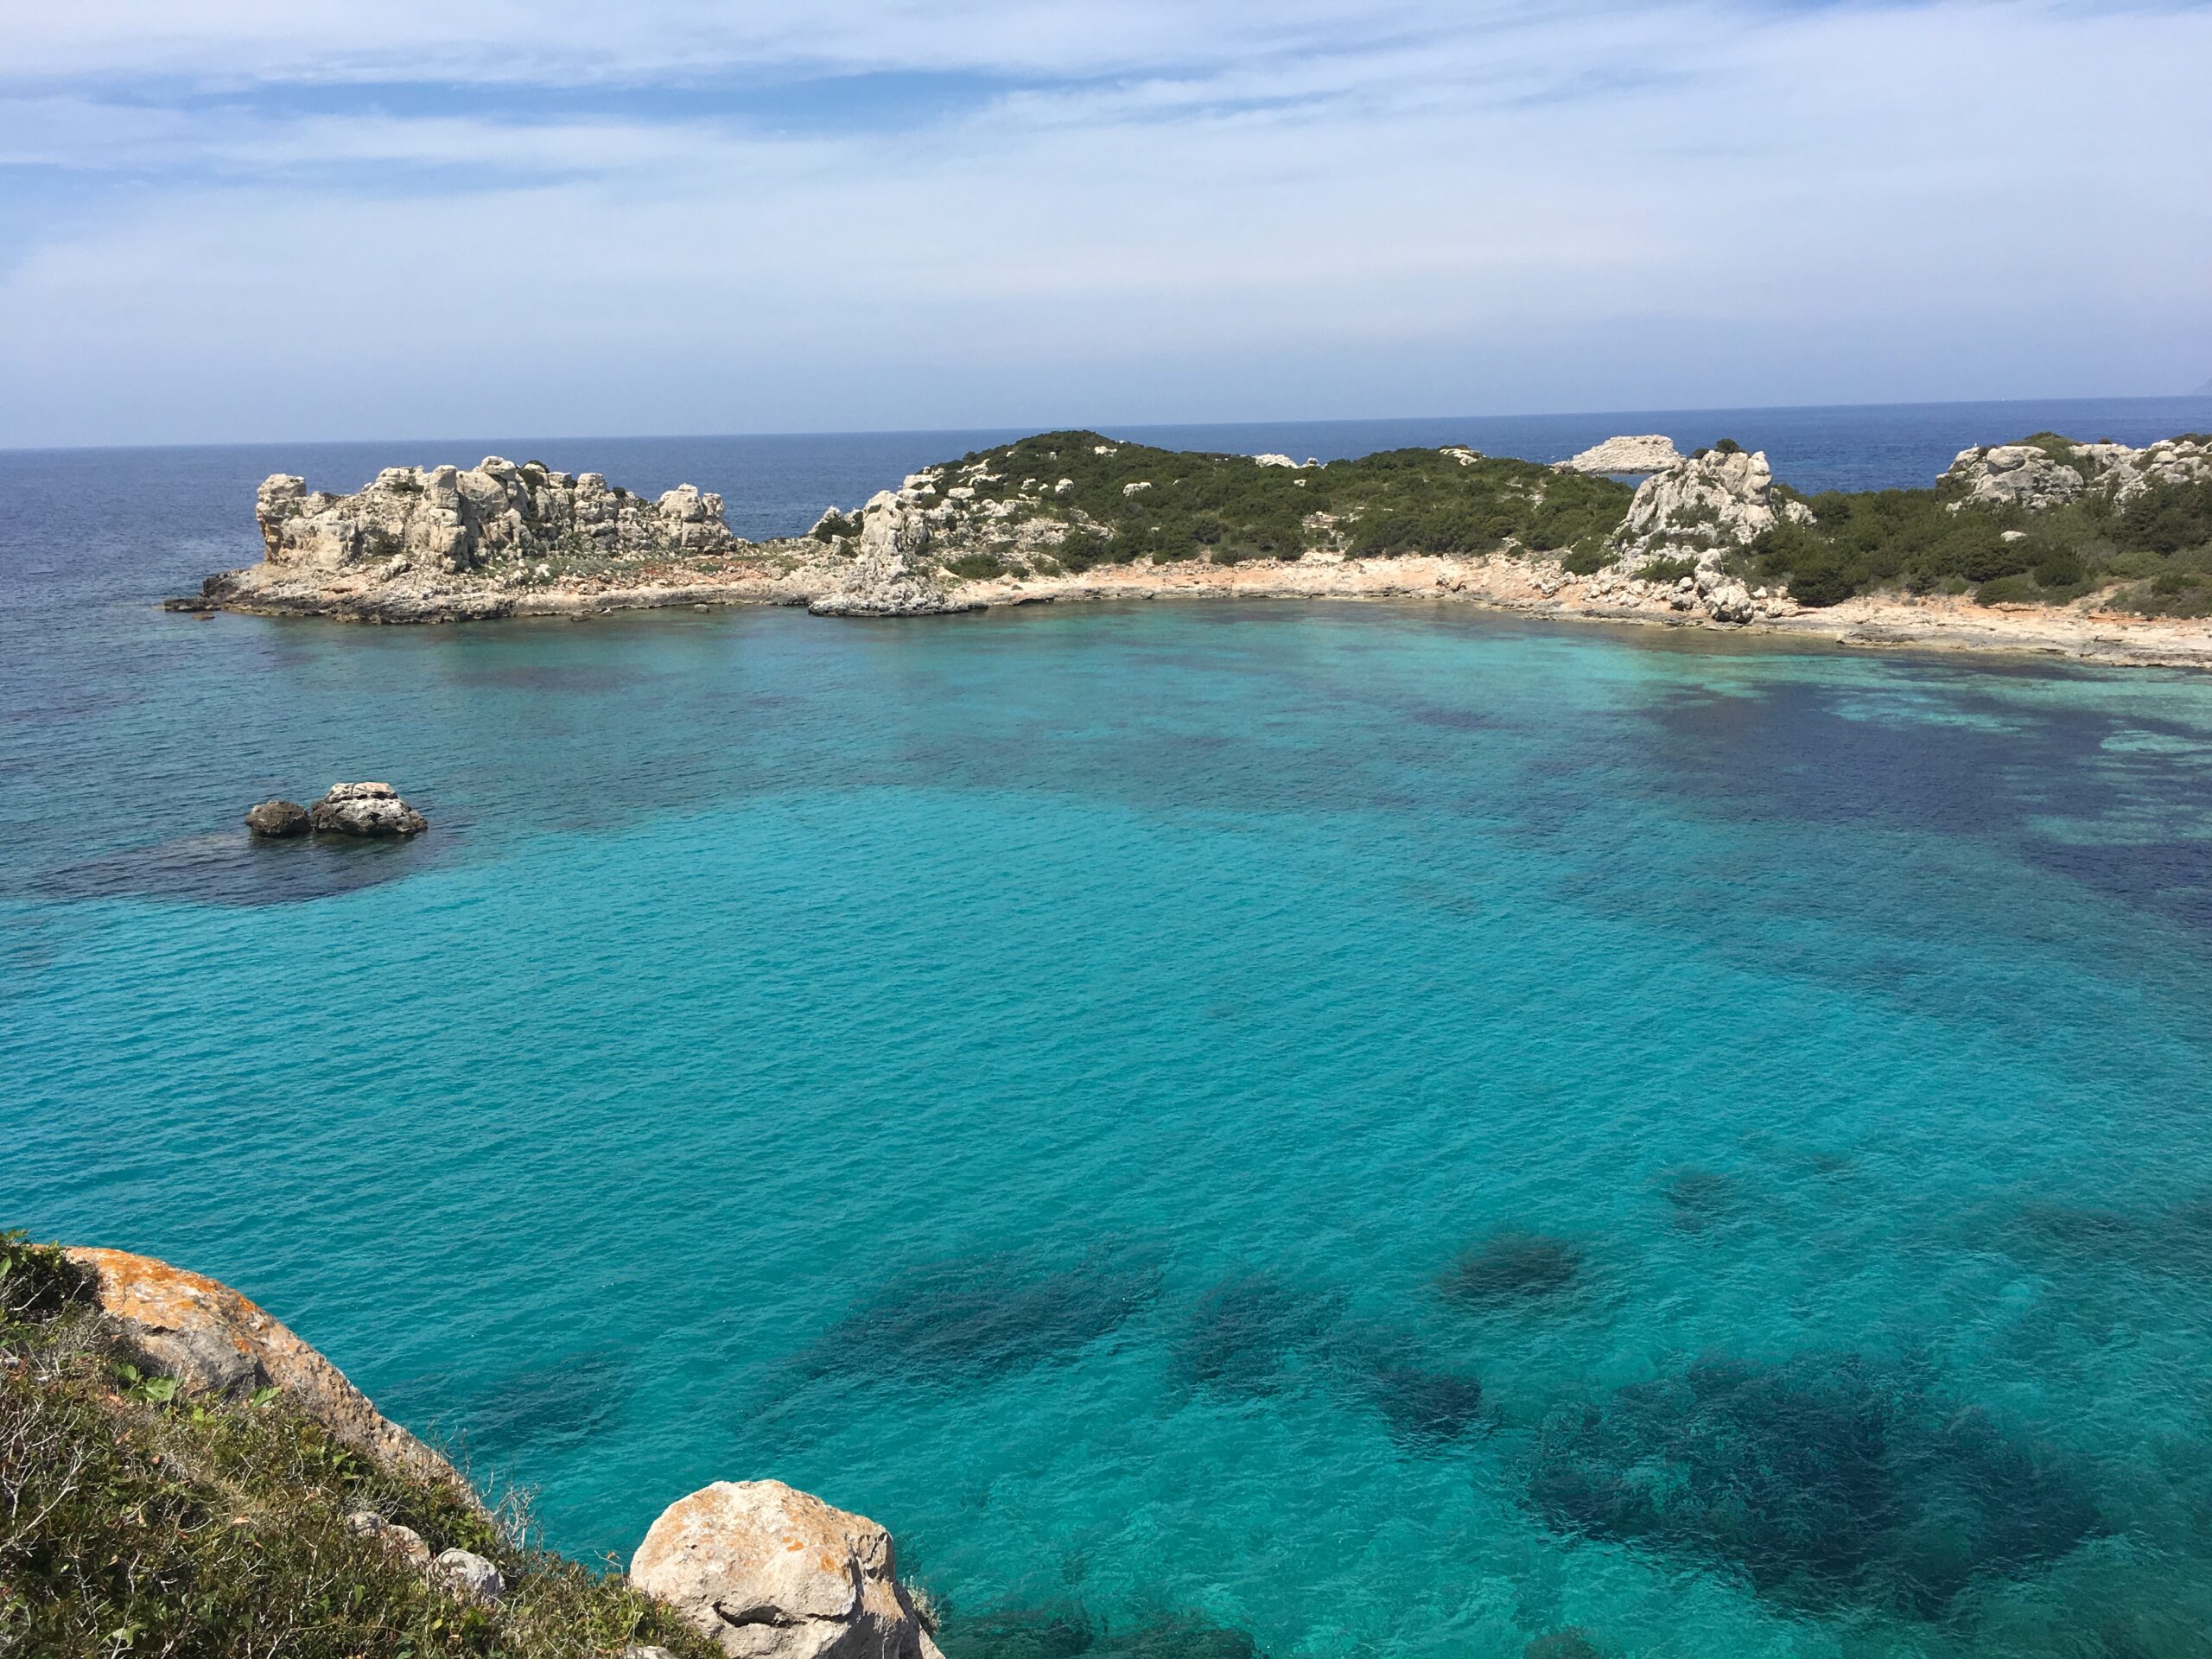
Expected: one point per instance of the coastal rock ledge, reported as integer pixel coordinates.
(1652, 452)
(368, 809)
(769, 1572)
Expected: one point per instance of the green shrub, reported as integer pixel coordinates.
(1588, 559)
(1668, 570)
(2018, 589)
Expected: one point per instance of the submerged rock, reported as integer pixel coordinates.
(1824, 1479)
(1652, 452)
(769, 1572)
(1513, 1267)
(277, 819)
(365, 810)
(213, 1340)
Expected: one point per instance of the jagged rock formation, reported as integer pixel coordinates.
(365, 810)
(891, 572)
(443, 518)
(1652, 452)
(277, 820)
(2048, 471)
(769, 1572)
(213, 1340)
(1699, 511)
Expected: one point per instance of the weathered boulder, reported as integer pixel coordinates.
(2048, 471)
(277, 819)
(446, 518)
(1702, 509)
(891, 573)
(403, 1542)
(1704, 506)
(2021, 474)
(365, 810)
(468, 1576)
(769, 1572)
(214, 1341)
(1652, 452)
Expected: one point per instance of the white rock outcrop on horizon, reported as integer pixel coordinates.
(1651, 452)
(769, 1573)
(448, 519)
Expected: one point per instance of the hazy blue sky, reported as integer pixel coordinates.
(241, 219)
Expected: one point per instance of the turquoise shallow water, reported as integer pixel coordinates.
(1033, 1078)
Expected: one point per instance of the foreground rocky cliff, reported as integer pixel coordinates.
(181, 1474)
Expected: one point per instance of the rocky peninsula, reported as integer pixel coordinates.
(2092, 550)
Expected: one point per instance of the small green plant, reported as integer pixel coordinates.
(1665, 570)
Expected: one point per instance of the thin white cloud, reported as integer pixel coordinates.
(1519, 207)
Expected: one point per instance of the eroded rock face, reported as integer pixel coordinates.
(1652, 452)
(213, 1340)
(769, 1572)
(1702, 510)
(448, 520)
(277, 819)
(365, 810)
(2053, 472)
(891, 573)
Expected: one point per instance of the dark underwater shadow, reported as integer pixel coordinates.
(1256, 1334)
(975, 1317)
(237, 869)
(1826, 1480)
(1067, 1632)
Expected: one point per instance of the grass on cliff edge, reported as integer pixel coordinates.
(1170, 503)
(136, 1521)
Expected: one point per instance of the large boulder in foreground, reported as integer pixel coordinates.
(365, 810)
(769, 1572)
(214, 1341)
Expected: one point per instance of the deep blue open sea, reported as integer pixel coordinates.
(1395, 1130)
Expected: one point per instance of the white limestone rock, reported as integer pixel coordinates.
(1652, 452)
(2055, 471)
(891, 573)
(769, 1572)
(469, 1576)
(365, 810)
(448, 519)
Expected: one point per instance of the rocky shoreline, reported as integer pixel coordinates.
(499, 541)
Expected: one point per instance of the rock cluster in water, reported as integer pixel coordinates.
(1652, 452)
(769, 1572)
(369, 810)
(2053, 472)
(448, 519)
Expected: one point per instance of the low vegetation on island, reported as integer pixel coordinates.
(2152, 546)
(1126, 501)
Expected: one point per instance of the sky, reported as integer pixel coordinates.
(248, 219)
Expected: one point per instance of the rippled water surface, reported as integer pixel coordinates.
(1390, 1129)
